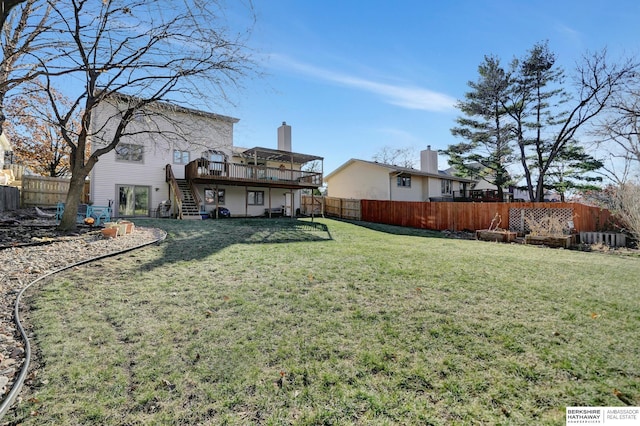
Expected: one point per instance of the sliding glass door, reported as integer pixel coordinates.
(133, 200)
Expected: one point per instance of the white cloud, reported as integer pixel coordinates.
(400, 135)
(571, 35)
(409, 97)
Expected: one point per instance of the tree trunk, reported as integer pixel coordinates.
(540, 188)
(74, 198)
(7, 5)
(525, 167)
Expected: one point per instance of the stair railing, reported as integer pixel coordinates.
(173, 184)
(196, 196)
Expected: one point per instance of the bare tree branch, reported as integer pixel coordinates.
(22, 24)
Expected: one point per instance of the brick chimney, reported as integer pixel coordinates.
(429, 160)
(284, 137)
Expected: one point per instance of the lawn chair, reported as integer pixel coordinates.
(81, 215)
(59, 211)
(101, 214)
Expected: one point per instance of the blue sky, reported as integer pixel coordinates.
(351, 77)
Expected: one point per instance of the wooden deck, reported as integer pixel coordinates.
(202, 171)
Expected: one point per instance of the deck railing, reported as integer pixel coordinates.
(204, 169)
(174, 187)
(486, 195)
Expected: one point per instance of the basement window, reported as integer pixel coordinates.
(210, 196)
(255, 198)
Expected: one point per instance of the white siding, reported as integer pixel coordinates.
(194, 133)
(236, 201)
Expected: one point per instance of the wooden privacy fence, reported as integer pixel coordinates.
(9, 198)
(331, 206)
(343, 208)
(43, 191)
(474, 216)
(312, 205)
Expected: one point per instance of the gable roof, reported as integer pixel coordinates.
(167, 106)
(398, 169)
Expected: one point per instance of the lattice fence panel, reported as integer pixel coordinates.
(517, 217)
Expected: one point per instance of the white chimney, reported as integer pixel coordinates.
(429, 160)
(284, 137)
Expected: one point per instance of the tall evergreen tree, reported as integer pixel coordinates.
(536, 98)
(485, 127)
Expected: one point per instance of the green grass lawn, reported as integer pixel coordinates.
(258, 322)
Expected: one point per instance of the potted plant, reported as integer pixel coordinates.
(110, 232)
(128, 226)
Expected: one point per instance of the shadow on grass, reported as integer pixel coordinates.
(394, 229)
(195, 240)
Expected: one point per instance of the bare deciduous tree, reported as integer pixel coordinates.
(619, 133)
(152, 51)
(403, 157)
(548, 118)
(6, 6)
(22, 24)
(625, 203)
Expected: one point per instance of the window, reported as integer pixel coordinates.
(129, 152)
(210, 196)
(255, 198)
(404, 181)
(180, 157)
(133, 200)
(446, 186)
(217, 160)
(216, 156)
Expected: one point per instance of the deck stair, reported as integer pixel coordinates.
(190, 209)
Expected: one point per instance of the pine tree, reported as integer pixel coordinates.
(571, 171)
(485, 127)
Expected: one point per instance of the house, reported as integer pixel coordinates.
(481, 189)
(182, 163)
(371, 180)
(6, 158)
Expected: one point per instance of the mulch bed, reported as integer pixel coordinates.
(24, 227)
